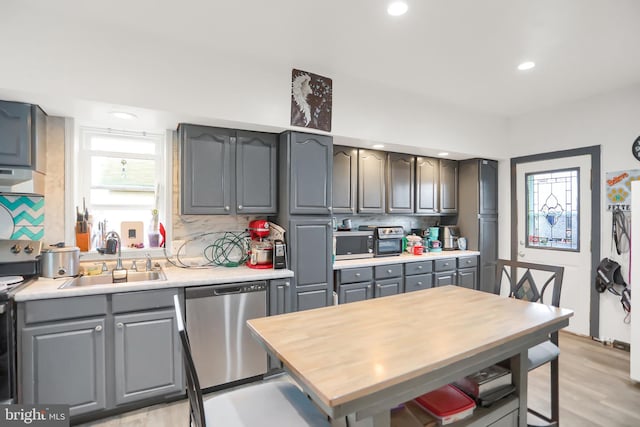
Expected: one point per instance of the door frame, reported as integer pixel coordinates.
(594, 152)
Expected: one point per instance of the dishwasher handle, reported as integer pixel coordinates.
(227, 291)
(222, 290)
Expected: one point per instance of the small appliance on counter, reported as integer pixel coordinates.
(353, 244)
(387, 240)
(449, 236)
(60, 261)
(433, 244)
(267, 238)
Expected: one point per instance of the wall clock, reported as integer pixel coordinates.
(635, 148)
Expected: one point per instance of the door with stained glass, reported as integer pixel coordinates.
(554, 217)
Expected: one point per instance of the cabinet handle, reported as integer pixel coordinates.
(99, 328)
(226, 208)
(239, 207)
(419, 267)
(329, 208)
(389, 271)
(286, 284)
(446, 264)
(368, 286)
(390, 209)
(119, 325)
(357, 274)
(419, 283)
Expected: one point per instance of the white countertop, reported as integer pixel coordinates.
(45, 288)
(401, 259)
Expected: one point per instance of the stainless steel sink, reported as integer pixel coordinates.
(107, 279)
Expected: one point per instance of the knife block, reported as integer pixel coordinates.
(83, 240)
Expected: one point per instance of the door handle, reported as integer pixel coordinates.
(521, 242)
(521, 254)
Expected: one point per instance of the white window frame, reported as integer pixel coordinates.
(77, 181)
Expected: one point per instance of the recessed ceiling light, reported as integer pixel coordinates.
(443, 154)
(378, 146)
(526, 66)
(397, 8)
(123, 115)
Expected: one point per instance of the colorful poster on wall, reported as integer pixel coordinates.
(618, 189)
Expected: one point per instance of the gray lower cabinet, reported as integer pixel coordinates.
(354, 284)
(99, 352)
(467, 278)
(389, 280)
(310, 249)
(64, 363)
(418, 276)
(227, 171)
(371, 181)
(444, 278)
(147, 355)
(448, 186)
(345, 179)
(279, 296)
(400, 183)
(461, 271)
(427, 185)
(23, 134)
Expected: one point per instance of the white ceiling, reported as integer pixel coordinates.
(460, 52)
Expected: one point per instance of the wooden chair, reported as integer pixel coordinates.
(270, 404)
(522, 285)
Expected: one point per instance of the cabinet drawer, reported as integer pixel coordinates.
(352, 275)
(65, 308)
(388, 271)
(145, 300)
(418, 282)
(445, 264)
(421, 267)
(467, 261)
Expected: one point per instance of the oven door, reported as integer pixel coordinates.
(388, 247)
(7, 351)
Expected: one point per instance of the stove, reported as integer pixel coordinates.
(19, 263)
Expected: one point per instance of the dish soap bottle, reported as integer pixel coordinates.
(154, 233)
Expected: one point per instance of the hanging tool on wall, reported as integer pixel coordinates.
(620, 231)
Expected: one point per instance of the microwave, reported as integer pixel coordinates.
(353, 244)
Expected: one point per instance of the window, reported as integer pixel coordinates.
(552, 209)
(122, 177)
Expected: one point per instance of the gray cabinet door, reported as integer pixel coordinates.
(353, 292)
(148, 360)
(307, 299)
(488, 247)
(310, 249)
(400, 182)
(345, 175)
(444, 278)
(448, 186)
(388, 287)
(310, 174)
(427, 185)
(208, 174)
(488, 187)
(15, 134)
(256, 183)
(279, 296)
(371, 185)
(64, 363)
(418, 282)
(467, 278)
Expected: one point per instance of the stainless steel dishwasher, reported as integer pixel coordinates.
(222, 347)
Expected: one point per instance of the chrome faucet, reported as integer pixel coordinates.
(119, 259)
(148, 265)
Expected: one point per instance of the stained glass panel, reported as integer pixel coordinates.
(553, 218)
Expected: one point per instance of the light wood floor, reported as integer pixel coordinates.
(595, 391)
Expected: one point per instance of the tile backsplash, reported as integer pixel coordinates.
(21, 216)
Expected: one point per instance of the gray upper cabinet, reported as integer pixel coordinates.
(400, 183)
(207, 169)
(308, 160)
(345, 176)
(23, 132)
(64, 363)
(147, 356)
(371, 181)
(427, 185)
(256, 175)
(448, 186)
(488, 187)
(226, 172)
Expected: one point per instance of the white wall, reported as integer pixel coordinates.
(610, 120)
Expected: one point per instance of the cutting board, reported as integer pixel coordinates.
(131, 233)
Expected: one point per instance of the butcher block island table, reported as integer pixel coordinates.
(366, 357)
